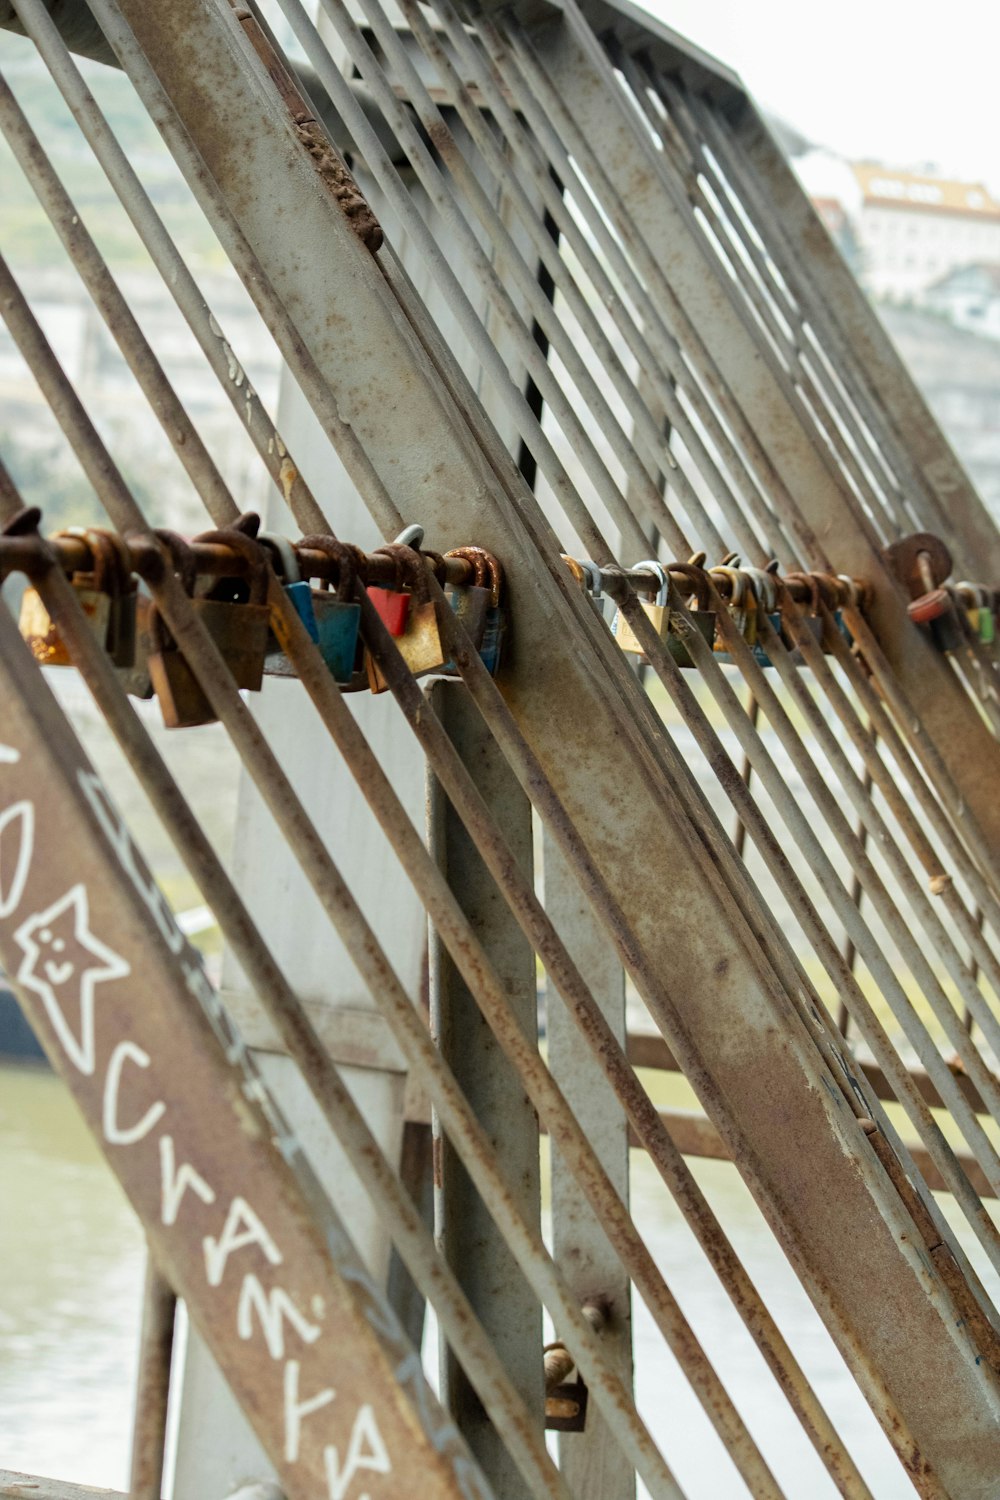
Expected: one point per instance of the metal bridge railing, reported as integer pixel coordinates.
(619, 347)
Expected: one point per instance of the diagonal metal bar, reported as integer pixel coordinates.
(221, 1176)
(342, 909)
(581, 72)
(167, 35)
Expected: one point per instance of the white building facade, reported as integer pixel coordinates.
(912, 230)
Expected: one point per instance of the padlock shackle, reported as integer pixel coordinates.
(251, 551)
(345, 555)
(737, 582)
(182, 558)
(283, 550)
(486, 570)
(659, 572)
(764, 587)
(100, 551)
(806, 581)
(411, 569)
(699, 581)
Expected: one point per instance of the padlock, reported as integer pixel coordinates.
(135, 679)
(393, 607)
(488, 574)
(657, 610)
(234, 609)
(702, 617)
(122, 588)
(495, 633)
(470, 602)
(765, 592)
(235, 614)
(853, 602)
(978, 608)
(39, 629)
(420, 645)
(809, 616)
(276, 662)
(736, 603)
(183, 704)
(337, 614)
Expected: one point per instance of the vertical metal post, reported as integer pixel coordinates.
(152, 1387)
(468, 1237)
(589, 1459)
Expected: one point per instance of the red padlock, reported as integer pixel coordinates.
(393, 608)
(929, 606)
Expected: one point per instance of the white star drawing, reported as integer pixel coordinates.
(53, 969)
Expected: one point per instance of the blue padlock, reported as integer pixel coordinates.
(338, 615)
(276, 663)
(488, 574)
(838, 614)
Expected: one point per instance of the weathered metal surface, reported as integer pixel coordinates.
(697, 942)
(152, 1388)
(647, 1050)
(770, 1044)
(588, 1458)
(505, 1304)
(34, 1487)
(308, 1343)
(821, 508)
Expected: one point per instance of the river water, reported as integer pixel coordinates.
(72, 1255)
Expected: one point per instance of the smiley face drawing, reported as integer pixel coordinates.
(63, 962)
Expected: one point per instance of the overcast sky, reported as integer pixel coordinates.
(906, 82)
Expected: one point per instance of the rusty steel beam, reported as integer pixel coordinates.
(120, 1000)
(750, 1058)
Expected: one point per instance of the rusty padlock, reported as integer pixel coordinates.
(94, 590)
(183, 704)
(235, 612)
(489, 574)
(420, 645)
(471, 601)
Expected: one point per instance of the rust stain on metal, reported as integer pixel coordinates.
(330, 165)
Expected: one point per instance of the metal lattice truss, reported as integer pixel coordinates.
(603, 321)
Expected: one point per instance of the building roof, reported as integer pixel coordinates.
(888, 188)
(983, 273)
